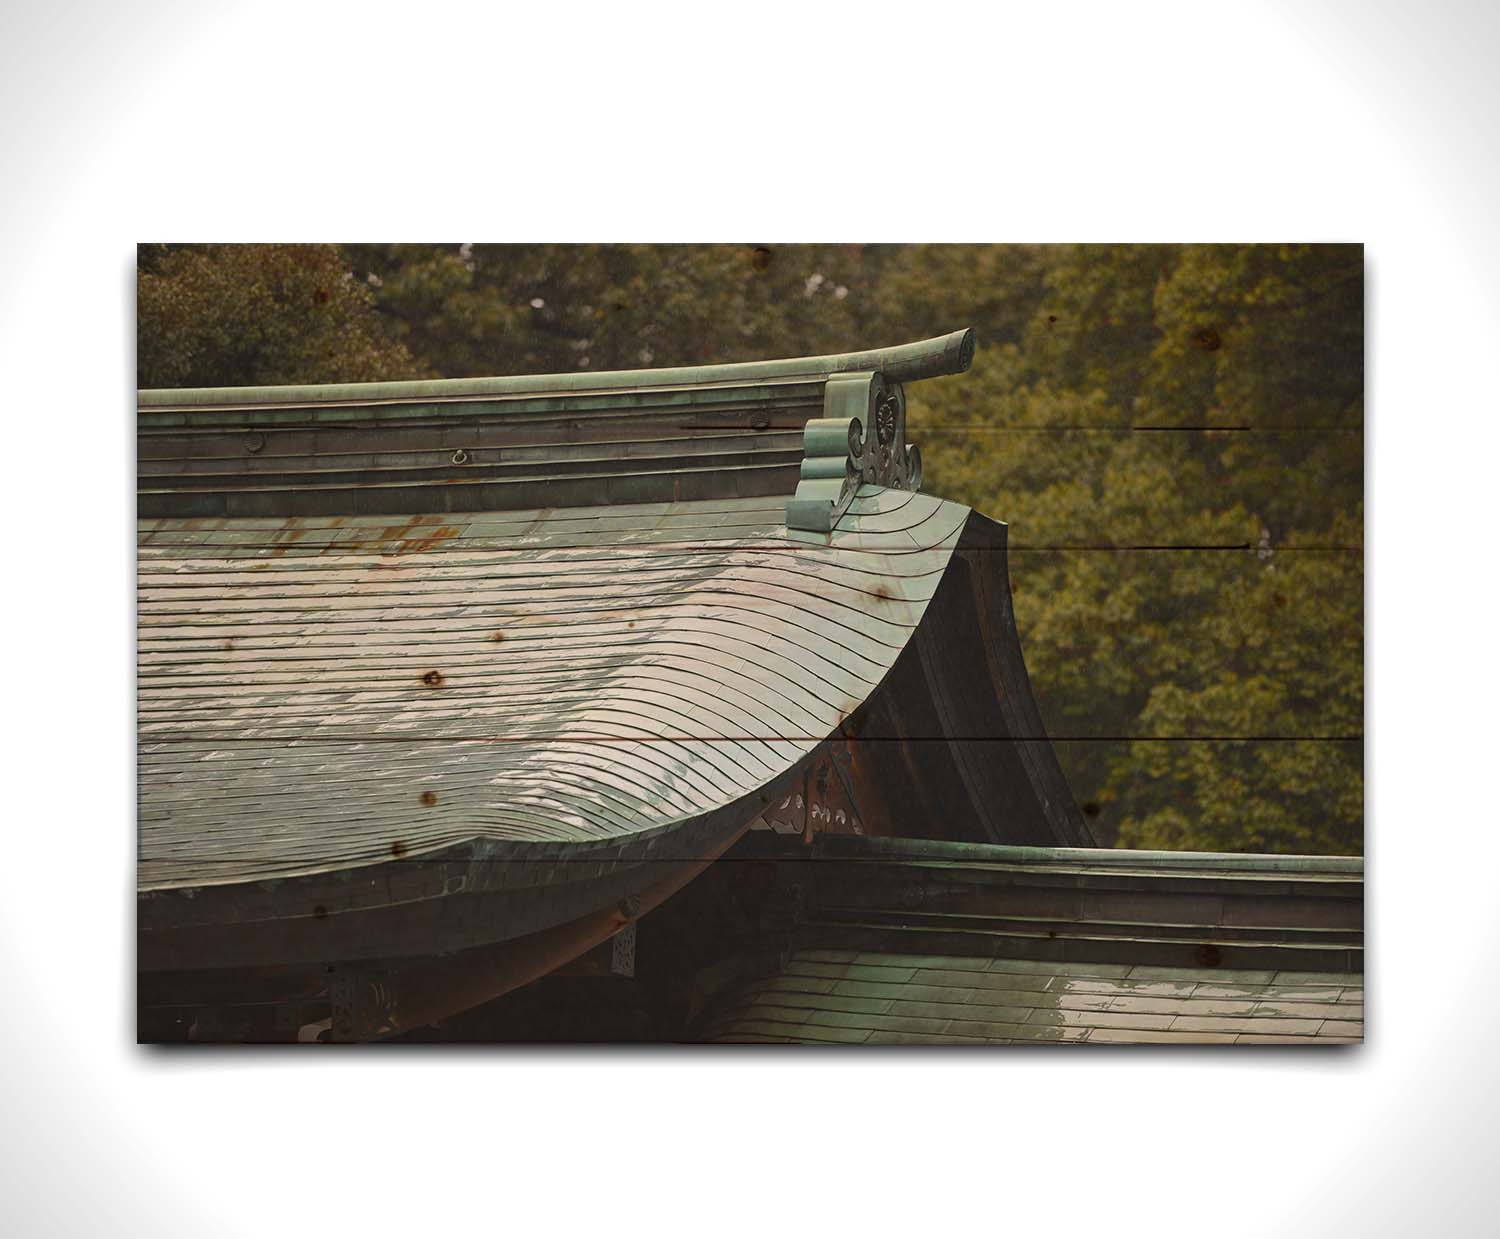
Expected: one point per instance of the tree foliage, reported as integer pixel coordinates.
(1174, 434)
(232, 315)
(1176, 441)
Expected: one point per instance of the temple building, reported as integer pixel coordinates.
(649, 705)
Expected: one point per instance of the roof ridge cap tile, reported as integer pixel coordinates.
(947, 354)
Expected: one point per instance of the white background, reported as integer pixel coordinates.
(777, 122)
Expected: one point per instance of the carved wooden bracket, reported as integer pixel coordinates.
(861, 438)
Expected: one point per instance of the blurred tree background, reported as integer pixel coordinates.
(1175, 435)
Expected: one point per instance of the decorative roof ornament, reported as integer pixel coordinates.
(861, 438)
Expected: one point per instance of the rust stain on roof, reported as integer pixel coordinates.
(676, 658)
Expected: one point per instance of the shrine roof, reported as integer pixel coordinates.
(513, 443)
(312, 689)
(924, 941)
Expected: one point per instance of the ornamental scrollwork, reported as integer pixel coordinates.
(885, 458)
(860, 440)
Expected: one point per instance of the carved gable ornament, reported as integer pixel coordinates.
(861, 438)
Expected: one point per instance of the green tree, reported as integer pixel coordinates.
(1177, 444)
(236, 315)
(519, 309)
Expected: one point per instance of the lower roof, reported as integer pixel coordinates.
(928, 941)
(872, 998)
(313, 689)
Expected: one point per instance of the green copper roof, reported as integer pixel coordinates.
(311, 689)
(845, 997)
(917, 941)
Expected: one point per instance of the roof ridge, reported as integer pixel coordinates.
(947, 354)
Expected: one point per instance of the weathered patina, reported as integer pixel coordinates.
(443, 684)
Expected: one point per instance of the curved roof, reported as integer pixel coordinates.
(317, 693)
